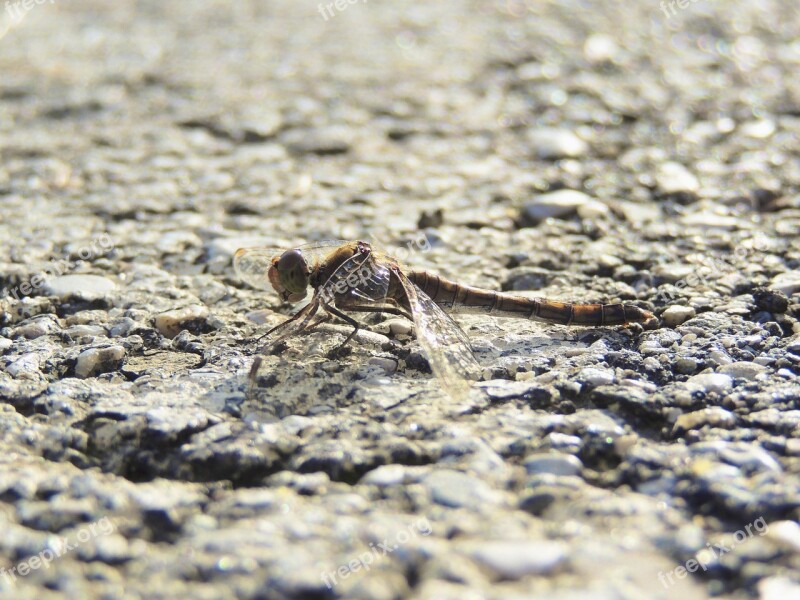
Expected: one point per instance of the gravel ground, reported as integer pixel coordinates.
(609, 151)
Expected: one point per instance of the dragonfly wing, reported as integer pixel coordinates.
(446, 345)
(252, 265)
(360, 279)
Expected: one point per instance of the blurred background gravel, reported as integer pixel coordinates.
(608, 151)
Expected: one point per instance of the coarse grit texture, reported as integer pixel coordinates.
(616, 151)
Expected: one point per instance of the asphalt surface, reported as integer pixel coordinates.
(629, 152)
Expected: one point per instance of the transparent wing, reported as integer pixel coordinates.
(444, 342)
(358, 280)
(252, 265)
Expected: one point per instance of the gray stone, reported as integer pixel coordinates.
(38, 327)
(554, 204)
(596, 377)
(172, 322)
(552, 143)
(676, 314)
(26, 366)
(685, 365)
(555, 464)
(718, 383)
(458, 490)
(674, 177)
(384, 476)
(325, 140)
(387, 365)
(788, 282)
(744, 370)
(94, 361)
(786, 534)
(778, 588)
(82, 286)
(713, 416)
(741, 455)
(514, 559)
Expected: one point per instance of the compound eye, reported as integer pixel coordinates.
(293, 271)
(290, 261)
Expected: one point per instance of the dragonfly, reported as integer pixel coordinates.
(346, 277)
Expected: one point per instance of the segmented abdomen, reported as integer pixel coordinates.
(455, 297)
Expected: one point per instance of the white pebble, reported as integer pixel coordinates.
(552, 143)
(596, 377)
(673, 177)
(744, 370)
(710, 382)
(25, 367)
(98, 360)
(560, 203)
(170, 323)
(676, 314)
(83, 286)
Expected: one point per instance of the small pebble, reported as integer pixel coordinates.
(788, 282)
(714, 416)
(459, 490)
(676, 314)
(686, 365)
(388, 365)
(88, 287)
(553, 143)
(778, 588)
(553, 463)
(515, 559)
(557, 204)
(717, 357)
(596, 377)
(600, 48)
(673, 177)
(786, 533)
(385, 476)
(760, 129)
(718, 383)
(25, 367)
(399, 326)
(94, 361)
(743, 370)
(170, 323)
(36, 329)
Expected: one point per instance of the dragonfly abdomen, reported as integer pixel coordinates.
(458, 298)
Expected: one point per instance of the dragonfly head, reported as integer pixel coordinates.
(290, 275)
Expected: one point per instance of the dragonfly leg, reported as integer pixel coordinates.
(251, 377)
(382, 308)
(344, 317)
(323, 319)
(307, 313)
